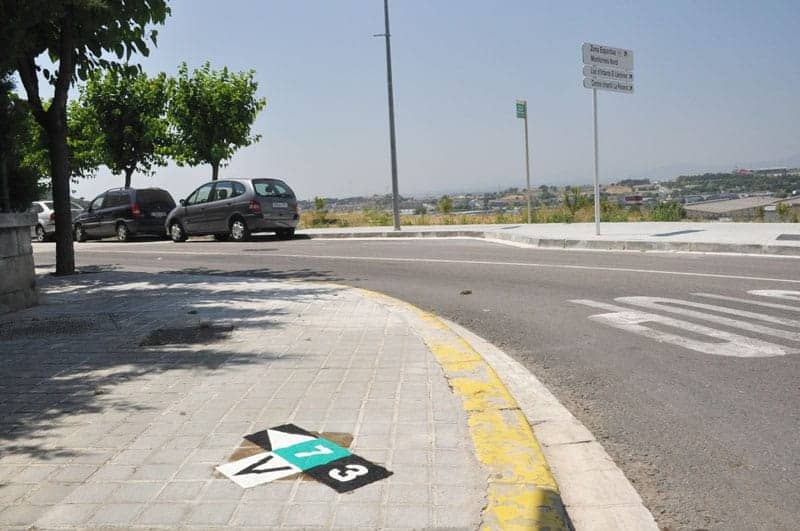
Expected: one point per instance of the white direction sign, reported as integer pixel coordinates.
(600, 83)
(599, 55)
(608, 73)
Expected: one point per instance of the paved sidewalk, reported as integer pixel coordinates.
(718, 237)
(121, 393)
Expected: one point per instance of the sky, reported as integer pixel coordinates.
(717, 86)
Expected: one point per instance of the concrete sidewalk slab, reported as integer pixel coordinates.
(122, 392)
(710, 237)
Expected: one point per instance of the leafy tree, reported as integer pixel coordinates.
(19, 185)
(445, 204)
(122, 114)
(212, 112)
(78, 36)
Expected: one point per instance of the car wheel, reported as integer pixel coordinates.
(220, 236)
(80, 234)
(239, 230)
(177, 233)
(123, 234)
(285, 234)
(41, 235)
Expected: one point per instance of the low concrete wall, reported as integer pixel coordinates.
(17, 274)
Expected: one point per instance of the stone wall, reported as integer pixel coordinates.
(17, 275)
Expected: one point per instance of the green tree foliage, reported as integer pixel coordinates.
(121, 114)
(445, 204)
(212, 112)
(19, 185)
(78, 36)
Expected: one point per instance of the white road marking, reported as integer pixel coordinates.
(476, 262)
(751, 301)
(777, 293)
(668, 305)
(728, 344)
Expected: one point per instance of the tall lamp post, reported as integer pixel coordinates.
(392, 143)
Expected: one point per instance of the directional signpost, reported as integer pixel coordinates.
(605, 68)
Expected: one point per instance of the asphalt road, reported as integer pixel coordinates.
(696, 398)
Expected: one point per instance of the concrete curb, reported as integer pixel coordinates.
(566, 243)
(521, 492)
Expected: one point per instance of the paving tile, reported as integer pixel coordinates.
(134, 492)
(49, 493)
(211, 514)
(222, 490)
(163, 514)
(153, 472)
(110, 472)
(91, 493)
(73, 473)
(66, 515)
(257, 515)
(408, 516)
(115, 514)
(309, 515)
(33, 473)
(21, 515)
(353, 515)
(181, 490)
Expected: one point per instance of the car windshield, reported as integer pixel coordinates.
(272, 188)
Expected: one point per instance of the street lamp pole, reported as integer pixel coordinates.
(392, 142)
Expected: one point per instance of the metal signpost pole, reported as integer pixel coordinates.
(522, 112)
(392, 144)
(596, 171)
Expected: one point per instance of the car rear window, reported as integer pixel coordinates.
(272, 188)
(154, 196)
(48, 204)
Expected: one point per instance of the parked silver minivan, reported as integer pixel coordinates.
(234, 209)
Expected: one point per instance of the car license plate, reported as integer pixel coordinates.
(280, 205)
(158, 214)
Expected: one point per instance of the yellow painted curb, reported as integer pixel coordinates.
(521, 491)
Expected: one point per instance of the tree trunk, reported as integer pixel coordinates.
(59, 165)
(214, 170)
(128, 173)
(54, 122)
(5, 197)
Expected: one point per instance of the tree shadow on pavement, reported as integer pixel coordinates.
(78, 365)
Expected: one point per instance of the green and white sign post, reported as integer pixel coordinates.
(522, 112)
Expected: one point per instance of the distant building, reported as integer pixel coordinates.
(743, 209)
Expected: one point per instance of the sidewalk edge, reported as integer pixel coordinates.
(521, 491)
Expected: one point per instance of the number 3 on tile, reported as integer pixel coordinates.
(351, 472)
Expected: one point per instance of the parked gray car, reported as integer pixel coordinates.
(234, 209)
(45, 227)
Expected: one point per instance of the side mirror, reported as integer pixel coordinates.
(183, 202)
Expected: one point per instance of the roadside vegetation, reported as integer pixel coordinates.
(575, 209)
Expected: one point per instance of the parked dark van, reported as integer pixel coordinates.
(235, 208)
(125, 213)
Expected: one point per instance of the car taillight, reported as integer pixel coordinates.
(52, 216)
(135, 210)
(294, 208)
(254, 207)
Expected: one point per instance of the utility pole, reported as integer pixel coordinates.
(392, 143)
